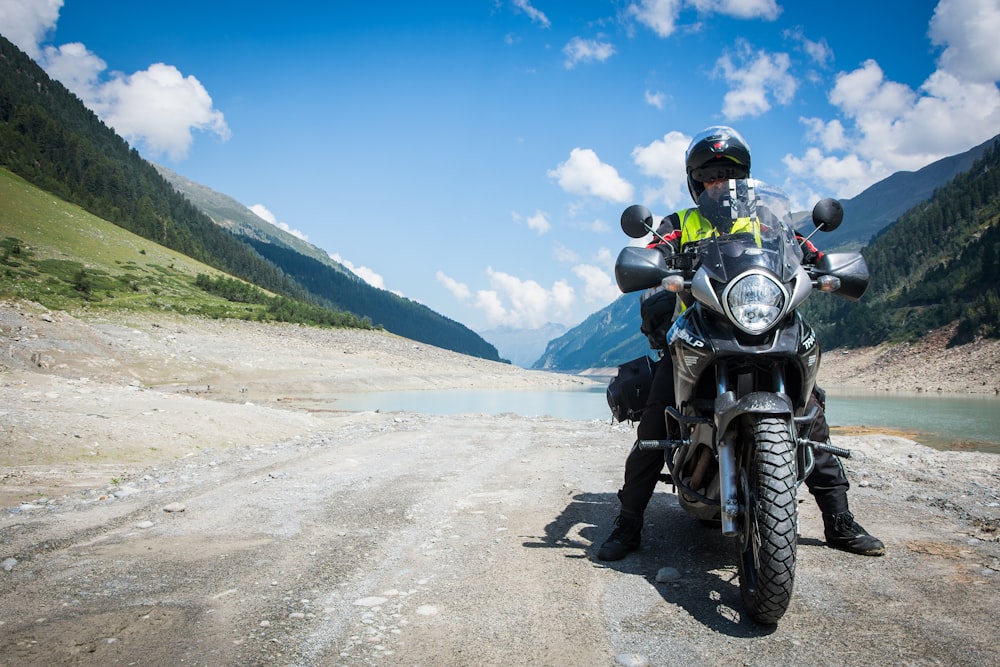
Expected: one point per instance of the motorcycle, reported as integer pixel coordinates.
(745, 363)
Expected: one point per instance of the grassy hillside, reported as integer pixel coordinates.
(48, 242)
(63, 257)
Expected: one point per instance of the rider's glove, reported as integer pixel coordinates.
(667, 249)
(810, 254)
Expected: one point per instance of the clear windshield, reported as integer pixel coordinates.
(749, 227)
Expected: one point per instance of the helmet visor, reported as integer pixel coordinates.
(721, 167)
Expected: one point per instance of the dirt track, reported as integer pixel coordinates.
(241, 529)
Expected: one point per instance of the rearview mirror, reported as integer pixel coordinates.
(827, 214)
(637, 221)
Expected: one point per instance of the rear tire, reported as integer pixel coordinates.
(768, 531)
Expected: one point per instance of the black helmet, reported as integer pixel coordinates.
(716, 152)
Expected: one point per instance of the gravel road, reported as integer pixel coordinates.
(272, 534)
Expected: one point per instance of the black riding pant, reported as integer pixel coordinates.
(827, 481)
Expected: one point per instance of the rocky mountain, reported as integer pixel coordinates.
(606, 339)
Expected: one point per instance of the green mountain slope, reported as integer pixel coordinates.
(385, 309)
(51, 140)
(937, 265)
(57, 254)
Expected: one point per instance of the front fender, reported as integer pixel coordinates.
(728, 407)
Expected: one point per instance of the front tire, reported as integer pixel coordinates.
(768, 535)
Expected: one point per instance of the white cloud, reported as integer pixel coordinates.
(157, 108)
(76, 67)
(459, 290)
(264, 214)
(599, 286)
(565, 255)
(584, 174)
(539, 222)
(535, 15)
(885, 126)
(663, 159)
(525, 304)
(831, 136)
(968, 30)
(740, 9)
(656, 99)
(819, 52)
(597, 226)
(366, 274)
(489, 302)
(661, 16)
(580, 50)
(756, 77)
(658, 15)
(26, 23)
(845, 175)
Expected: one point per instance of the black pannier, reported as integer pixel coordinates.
(629, 389)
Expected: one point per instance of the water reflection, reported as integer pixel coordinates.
(945, 421)
(942, 421)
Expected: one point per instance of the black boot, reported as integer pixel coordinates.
(624, 539)
(843, 532)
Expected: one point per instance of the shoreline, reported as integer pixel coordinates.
(118, 389)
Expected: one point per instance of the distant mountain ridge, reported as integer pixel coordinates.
(868, 213)
(314, 269)
(611, 336)
(522, 346)
(237, 218)
(606, 338)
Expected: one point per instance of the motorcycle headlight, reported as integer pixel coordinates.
(755, 302)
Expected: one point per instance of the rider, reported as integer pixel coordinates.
(715, 155)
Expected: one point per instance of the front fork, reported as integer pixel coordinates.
(726, 409)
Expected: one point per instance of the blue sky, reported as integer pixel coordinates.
(476, 155)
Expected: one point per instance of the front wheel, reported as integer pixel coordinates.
(768, 535)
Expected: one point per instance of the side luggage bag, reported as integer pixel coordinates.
(629, 389)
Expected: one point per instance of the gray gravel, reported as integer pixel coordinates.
(156, 526)
(407, 539)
